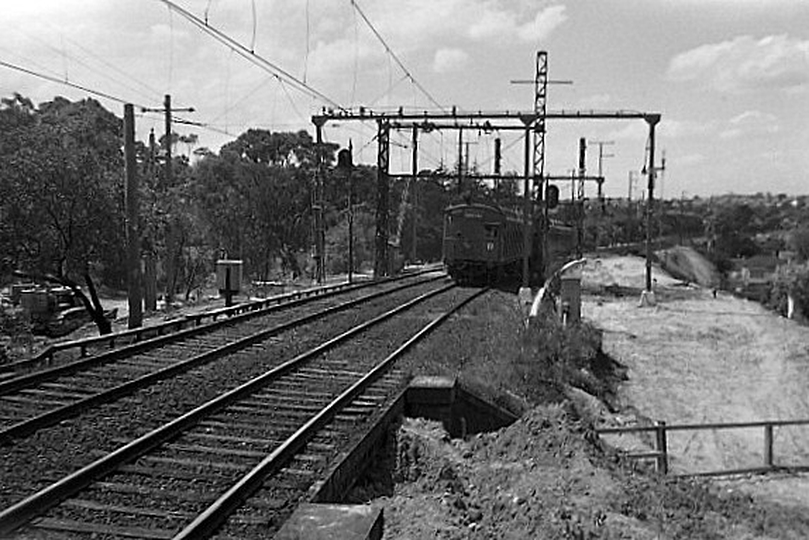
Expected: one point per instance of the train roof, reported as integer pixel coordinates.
(507, 212)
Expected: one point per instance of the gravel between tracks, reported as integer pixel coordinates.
(28, 465)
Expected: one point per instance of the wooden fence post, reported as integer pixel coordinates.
(768, 455)
(661, 448)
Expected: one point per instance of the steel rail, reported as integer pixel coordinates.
(244, 309)
(27, 427)
(31, 379)
(216, 514)
(24, 511)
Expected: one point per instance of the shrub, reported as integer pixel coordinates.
(553, 356)
(793, 281)
(15, 333)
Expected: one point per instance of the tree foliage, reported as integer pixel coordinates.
(791, 282)
(61, 170)
(62, 214)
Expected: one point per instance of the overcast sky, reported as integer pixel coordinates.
(729, 77)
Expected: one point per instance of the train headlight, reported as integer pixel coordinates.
(489, 246)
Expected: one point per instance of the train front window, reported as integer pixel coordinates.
(490, 231)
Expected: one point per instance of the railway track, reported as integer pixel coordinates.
(32, 401)
(29, 462)
(68, 351)
(237, 465)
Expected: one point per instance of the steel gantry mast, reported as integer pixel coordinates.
(382, 258)
(457, 120)
(541, 110)
(539, 181)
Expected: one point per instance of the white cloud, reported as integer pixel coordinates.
(418, 23)
(751, 124)
(545, 22)
(686, 128)
(745, 64)
(448, 60)
(491, 24)
(496, 22)
(752, 117)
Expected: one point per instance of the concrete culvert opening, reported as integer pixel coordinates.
(440, 408)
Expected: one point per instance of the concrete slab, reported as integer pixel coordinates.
(333, 522)
(431, 381)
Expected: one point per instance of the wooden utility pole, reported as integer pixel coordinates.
(171, 232)
(171, 263)
(133, 273)
(167, 109)
(150, 264)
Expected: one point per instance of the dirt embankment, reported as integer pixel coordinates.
(689, 358)
(694, 358)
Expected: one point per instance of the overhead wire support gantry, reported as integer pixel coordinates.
(455, 119)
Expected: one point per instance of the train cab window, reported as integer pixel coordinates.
(490, 231)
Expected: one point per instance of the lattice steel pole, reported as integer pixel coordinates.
(541, 110)
(381, 263)
(317, 208)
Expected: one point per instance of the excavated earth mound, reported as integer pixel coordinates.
(547, 476)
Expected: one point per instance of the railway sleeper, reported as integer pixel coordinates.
(191, 463)
(216, 451)
(33, 401)
(131, 510)
(232, 439)
(331, 373)
(275, 401)
(47, 396)
(143, 361)
(70, 526)
(61, 387)
(264, 408)
(285, 425)
(128, 515)
(165, 472)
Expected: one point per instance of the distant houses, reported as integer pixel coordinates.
(753, 276)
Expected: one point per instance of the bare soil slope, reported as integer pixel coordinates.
(685, 263)
(549, 476)
(694, 358)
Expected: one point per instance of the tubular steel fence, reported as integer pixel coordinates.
(661, 453)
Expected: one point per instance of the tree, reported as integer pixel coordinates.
(734, 227)
(798, 241)
(62, 166)
(190, 141)
(255, 197)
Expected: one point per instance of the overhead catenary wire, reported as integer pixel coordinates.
(57, 80)
(145, 91)
(258, 60)
(395, 57)
(105, 95)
